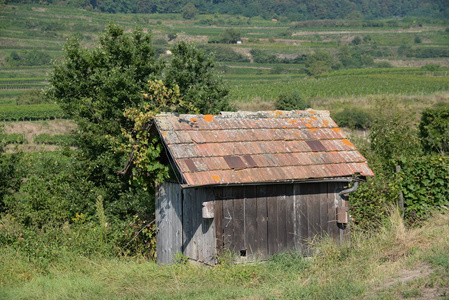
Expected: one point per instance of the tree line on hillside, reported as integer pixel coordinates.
(293, 10)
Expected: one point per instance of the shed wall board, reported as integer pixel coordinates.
(168, 222)
(264, 220)
(199, 236)
(251, 221)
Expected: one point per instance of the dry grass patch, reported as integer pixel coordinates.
(257, 105)
(413, 103)
(415, 63)
(30, 129)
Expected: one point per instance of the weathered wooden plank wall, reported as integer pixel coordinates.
(259, 221)
(168, 222)
(254, 222)
(262, 222)
(199, 234)
(250, 221)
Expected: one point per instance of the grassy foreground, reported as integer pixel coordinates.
(393, 263)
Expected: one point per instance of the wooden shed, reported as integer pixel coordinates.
(252, 183)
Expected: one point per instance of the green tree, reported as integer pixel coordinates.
(292, 101)
(230, 36)
(189, 11)
(393, 134)
(172, 35)
(355, 18)
(9, 182)
(193, 71)
(140, 141)
(356, 41)
(319, 63)
(33, 96)
(94, 86)
(434, 129)
(353, 117)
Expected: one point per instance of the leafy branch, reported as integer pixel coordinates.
(140, 140)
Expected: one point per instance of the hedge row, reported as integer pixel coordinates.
(30, 112)
(57, 139)
(14, 138)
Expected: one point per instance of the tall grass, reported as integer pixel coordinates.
(390, 262)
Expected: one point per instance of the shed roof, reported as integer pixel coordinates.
(258, 147)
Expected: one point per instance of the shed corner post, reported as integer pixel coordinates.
(343, 213)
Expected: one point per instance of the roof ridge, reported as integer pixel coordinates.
(277, 114)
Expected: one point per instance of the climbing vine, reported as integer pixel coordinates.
(141, 143)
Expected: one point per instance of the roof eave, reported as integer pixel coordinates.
(354, 178)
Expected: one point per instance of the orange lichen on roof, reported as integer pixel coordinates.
(312, 112)
(278, 113)
(347, 142)
(256, 147)
(208, 118)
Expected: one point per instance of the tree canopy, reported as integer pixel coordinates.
(193, 72)
(294, 10)
(95, 86)
(434, 129)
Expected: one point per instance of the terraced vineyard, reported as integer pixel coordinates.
(32, 36)
(339, 85)
(30, 112)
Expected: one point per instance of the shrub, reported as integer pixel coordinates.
(262, 57)
(172, 35)
(371, 201)
(354, 118)
(425, 184)
(318, 63)
(230, 36)
(434, 129)
(57, 139)
(356, 41)
(14, 138)
(430, 67)
(277, 69)
(393, 134)
(28, 58)
(384, 64)
(189, 11)
(34, 96)
(292, 101)
(224, 53)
